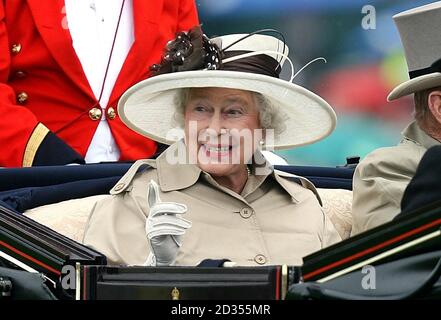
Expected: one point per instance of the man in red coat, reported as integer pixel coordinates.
(63, 66)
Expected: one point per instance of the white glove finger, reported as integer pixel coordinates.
(167, 208)
(169, 220)
(187, 222)
(153, 197)
(165, 231)
(166, 226)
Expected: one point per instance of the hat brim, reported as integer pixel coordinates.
(427, 81)
(149, 106)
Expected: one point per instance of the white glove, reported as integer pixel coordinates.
(164, 228)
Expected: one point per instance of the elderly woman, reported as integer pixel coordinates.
(218, 103)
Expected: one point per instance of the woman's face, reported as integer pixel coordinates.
(221, 128)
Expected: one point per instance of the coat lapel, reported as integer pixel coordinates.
(50, 19)
(146, 19)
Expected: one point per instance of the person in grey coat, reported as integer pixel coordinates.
(381, 178)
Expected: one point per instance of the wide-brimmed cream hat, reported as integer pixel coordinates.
(239, 61)
(420, 33)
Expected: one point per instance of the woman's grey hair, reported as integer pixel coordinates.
(270, 116)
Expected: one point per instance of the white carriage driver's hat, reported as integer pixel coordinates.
(420, 33)
(239, 61)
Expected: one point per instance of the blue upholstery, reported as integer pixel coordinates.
(16, 178)
(26, 188)
(23, 199)
(323, 177)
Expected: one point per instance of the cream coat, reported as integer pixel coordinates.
(381, 178)
(274, 221)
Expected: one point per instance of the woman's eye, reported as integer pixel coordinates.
(234, 112)
(200, 109)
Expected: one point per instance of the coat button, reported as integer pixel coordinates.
(260, 259)
(111, 113)
(20, 74)
(119, 186)
(95, 114)
(16, 48)
(22, 97)
(246, 213)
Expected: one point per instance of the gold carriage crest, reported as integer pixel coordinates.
(175, 294)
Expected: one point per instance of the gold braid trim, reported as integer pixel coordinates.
(33, 144)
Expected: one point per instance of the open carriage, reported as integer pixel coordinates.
(43, 212)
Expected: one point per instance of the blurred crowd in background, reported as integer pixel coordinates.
(363, 64)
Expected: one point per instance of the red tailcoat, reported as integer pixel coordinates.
(42, 83)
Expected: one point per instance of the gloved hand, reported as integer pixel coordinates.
(165, 228)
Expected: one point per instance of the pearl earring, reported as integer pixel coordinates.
(248, 171)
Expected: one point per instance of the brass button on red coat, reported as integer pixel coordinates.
(111, 113)
(95, 114)
(22, 97)
(16, 48)
(260, 259)
(246, 213)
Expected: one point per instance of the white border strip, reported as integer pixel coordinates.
(24, 266)
(17, 262)
(381, 256)
(78, 281)
(284, 284)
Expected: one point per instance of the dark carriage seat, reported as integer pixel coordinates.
(17, 178)
(61, 197)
